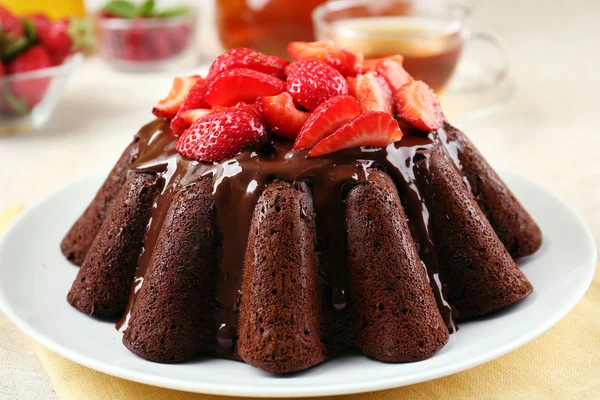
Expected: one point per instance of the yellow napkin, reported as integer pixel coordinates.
(564, 363)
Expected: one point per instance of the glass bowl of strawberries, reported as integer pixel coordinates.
(37, 56)
(141, 37)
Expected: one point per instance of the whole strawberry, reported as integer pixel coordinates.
(311, 82)
(66, 36)
(41, 23)
(57, 40)
(220, 135)
(10, 24)
(31, 90)
(2, 73)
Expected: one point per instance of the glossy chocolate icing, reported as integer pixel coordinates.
(239, 181)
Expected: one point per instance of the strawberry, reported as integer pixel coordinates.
(374, 128)
(393, 72)
(194, 100)
(241, 85)
(41, 22)
(326, 119)
(191, 116)
(179, 37)
(168, 107)
(10, 24)
(65, 37)
(311, 82)
(2, 69)
(327, 52)
(250, 59)
(219, 135)
(57, 40)
(281, 115)
(418, 105)
(30, 90)
(252, 107)
(372, 92)
(371, 63)
(157, 43)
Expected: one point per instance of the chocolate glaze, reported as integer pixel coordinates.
(239, 181)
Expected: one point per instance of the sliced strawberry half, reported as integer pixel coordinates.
(418, 105)
(191, 116)
(372, 92)
(241, 85)
(394, 73)
(219, 135)
(326, 119)
(374, 128)
(311, 82)
(281, 115)
(370, 64)
(328, 52)
(194, 100)
(247, 58)
(168, 107)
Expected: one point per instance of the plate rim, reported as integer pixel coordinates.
(296, 390)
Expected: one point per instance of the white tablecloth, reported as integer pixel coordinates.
(549, 132)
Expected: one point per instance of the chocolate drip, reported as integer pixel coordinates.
(239, 182)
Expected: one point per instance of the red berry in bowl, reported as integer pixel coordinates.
(10, 24)
(157, 43)
(30, 90)
(41, 23)
(57, 40)
(178, 38)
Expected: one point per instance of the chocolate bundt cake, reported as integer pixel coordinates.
(280, 258)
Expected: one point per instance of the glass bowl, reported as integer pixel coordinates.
(27, 99)
(146, 44)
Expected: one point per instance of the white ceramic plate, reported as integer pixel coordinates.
(35, 278)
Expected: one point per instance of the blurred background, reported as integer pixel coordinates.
(78, 79)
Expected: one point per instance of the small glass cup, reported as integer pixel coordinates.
(28, 99)
(433, 37)
(146, 44)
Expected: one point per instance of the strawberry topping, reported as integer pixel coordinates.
(328, 52)
(370, 64)
(393, 72)
(373, 128)
(418, 105)
(219, 135)
(194, 100)
(281, 115)
(247, 58)
(241, 85)
(191, 116)
(311, 82)
(372, 92)
(326, 119)
(168, 107)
